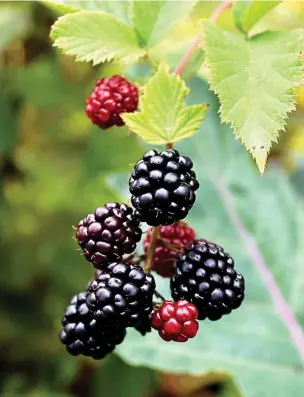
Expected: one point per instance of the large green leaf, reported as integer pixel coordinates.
(14, 24)
(260, 222)
(96, 36)
(120, 9)
(248, 13)
(255, 81)
(152, 20)
(163, 115)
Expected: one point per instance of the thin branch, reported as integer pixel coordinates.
(159, 296)
(281, 305)
(189, 54)
(151, 250)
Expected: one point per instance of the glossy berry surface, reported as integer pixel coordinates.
(205, 276)
(163, 187)
(111, 97)
(109, 233)
(121, 295)
(176, 321)
(84, 335)
(171, 242)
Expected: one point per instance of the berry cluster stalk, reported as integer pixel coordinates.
(189, 54)
(178, 71)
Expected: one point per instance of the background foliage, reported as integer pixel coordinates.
(56, 167)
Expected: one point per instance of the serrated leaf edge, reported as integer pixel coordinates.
(259, 154)
(110, 56)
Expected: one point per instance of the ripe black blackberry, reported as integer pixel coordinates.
(108, 234)
(83, 334)
(122, 294)
(162, 187)
(205, 276)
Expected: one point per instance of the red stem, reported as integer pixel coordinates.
(189, 54)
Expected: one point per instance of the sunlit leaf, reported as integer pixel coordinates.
(163, 115)
(248, 13)
(255, 81)
(97, 37)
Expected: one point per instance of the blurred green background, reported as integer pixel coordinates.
(55, 168)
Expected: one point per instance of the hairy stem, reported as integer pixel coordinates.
(178, 71)
(151, 250)
(189, 54)
(159, 296)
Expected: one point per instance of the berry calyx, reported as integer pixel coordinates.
(111, 97)
(205, 276)
(109, 233)
(163, 187)
(121, 295)
(176, 321)
(170, 244)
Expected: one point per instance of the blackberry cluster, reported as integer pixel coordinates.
(84, 334)
(203, 281)
(121, 295)
(171, 242)
(111, 97)
(205, 276)
(163, 187)
(109, 233)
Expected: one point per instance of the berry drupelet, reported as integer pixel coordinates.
(171, 242)
(205, 276)
(163, 187)
(82, 334)
(111, 97)
(176, 321)
(109, 233)
(121, 295)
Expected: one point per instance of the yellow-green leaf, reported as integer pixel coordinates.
(96, 36)
(255, 81)
(163, 115)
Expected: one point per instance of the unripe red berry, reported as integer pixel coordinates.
(175, 321)
(171, 242)
(111, 97)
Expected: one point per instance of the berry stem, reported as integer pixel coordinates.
(151, 250)
(154, 237)
(189, 54)
(158, 295)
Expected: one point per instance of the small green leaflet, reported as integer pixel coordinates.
(163, 115)
(96, 36)
(255, 80)
(152, 20)
(248, 13)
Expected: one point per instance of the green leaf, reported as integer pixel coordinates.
(119, 9)
(255, 81)
(96, 36)
(248, 13)
(252, 343)
(163, 115)
(152, 20)
(14, 24)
